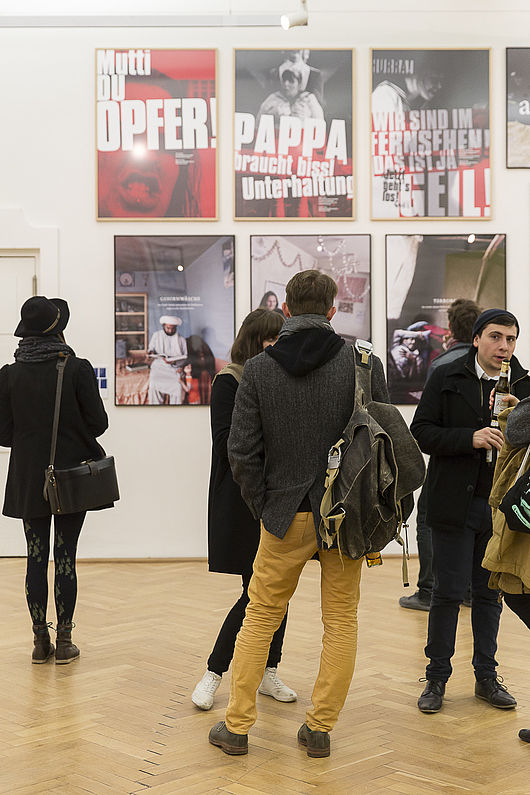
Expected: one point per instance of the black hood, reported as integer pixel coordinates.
(305, 350)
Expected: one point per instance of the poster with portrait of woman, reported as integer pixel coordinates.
(430, 134)
(293, 134)
(174, 317)
(518, 107)
(424, 275)
(346, 258)
(156, 134)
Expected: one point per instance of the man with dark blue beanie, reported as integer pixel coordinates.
(452, 425)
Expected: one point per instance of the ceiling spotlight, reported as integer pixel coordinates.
(471, 238)
(300, 17)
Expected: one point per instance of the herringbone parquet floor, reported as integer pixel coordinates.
(120, 719)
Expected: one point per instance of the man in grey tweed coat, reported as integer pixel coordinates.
(293, 403)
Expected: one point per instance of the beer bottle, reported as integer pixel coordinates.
(502, 388)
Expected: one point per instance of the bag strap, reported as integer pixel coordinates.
(61, 364)
(233, 369)
(362, 357)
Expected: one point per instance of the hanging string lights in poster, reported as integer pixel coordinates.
(346, 258)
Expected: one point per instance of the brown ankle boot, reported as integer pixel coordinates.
(66, 651)
(43, 648)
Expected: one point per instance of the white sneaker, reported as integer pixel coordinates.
(205, 690)
(272, 685)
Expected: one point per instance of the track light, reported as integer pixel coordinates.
(300, 17)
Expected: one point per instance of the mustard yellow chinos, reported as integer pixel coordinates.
(277, 568)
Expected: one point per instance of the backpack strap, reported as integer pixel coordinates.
(332, 515)
(362, 357)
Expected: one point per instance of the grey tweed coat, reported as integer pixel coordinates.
(282, 429)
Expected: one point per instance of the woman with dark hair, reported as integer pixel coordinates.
(233, 533)
(270, 302)
(27, 404)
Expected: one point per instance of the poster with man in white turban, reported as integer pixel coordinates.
(174, 304)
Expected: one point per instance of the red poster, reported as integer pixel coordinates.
(156, 134)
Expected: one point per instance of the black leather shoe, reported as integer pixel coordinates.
(495, 693)
(432, 697)
(230, 743)
(524, 734)
(317, 743)
(414, 602)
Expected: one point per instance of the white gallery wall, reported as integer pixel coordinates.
(48, 170)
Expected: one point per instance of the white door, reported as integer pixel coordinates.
(18, 274)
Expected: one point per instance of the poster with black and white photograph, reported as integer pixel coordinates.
(518, 107)
(346, 258)
(424, 275)
(174, 317)
(430, 134)
(156, 134)
(293, 148)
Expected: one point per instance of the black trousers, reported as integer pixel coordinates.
(223, 650)
(66, 534)
(520, 604)
(424, 539)
(457, 558)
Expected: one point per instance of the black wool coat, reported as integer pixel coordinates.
(448, 414)
(27, 401)
(233, 533)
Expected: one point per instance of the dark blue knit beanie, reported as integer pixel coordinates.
(489, 317)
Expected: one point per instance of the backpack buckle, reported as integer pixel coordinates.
(334, 458)
(364, 349)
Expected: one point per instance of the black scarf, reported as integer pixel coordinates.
(40, 349)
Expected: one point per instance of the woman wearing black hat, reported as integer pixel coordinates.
(27, 401)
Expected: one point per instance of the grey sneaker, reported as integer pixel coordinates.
(413, 602)
(230, 743)
(205, 690)
(317, 743)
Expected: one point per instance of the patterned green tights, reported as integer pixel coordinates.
(66, 535)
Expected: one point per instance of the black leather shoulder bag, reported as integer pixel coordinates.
(90, 486)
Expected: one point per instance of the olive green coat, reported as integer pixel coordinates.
(507, 554)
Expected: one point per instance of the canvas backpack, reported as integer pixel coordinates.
(373, 470)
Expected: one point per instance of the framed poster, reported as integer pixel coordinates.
(424, 275)
(156, 134)
(346, 258)
(293, 134)
(430, 128)
(518, 107)
(174, 317)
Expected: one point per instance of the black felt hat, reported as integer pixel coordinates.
(42, 317)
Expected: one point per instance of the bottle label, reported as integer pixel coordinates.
(498, 404)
